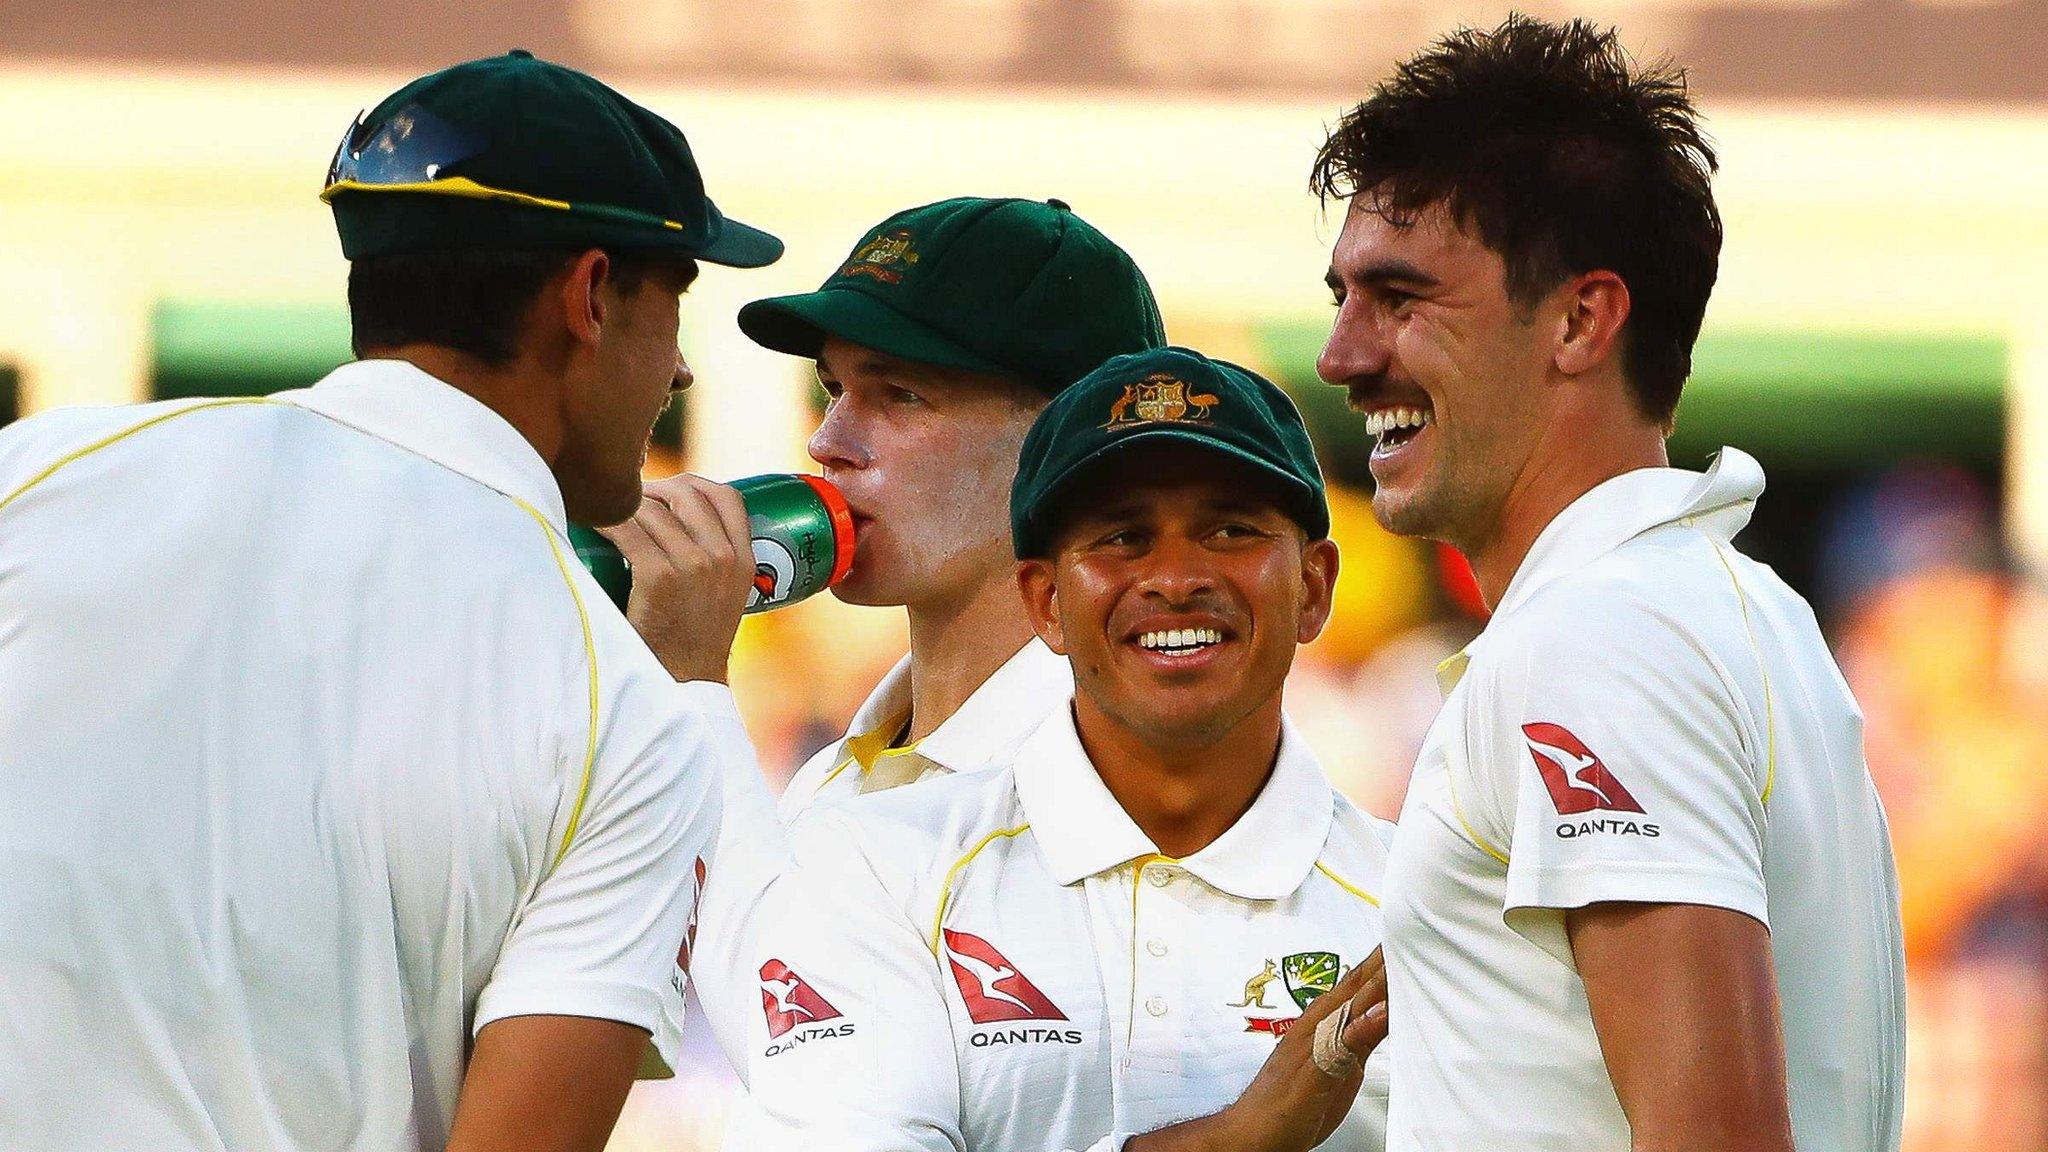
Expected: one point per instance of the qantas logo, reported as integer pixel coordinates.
(787, 1001)
(690, 931)
(1577, 780)
(992, 987)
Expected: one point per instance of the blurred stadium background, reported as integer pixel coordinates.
(1879, 337)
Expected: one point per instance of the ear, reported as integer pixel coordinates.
(1596, 305)
(1318, 588)
(585, 307)
(1036, 582)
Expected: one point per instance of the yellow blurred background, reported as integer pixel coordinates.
(1879, 335)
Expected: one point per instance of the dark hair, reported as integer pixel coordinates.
(1563, 156)
(470, 300)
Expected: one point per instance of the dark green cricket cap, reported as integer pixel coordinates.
(514, 152)
(1023, 288)
(1164, 396)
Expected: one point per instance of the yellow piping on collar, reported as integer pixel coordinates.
(953, 873)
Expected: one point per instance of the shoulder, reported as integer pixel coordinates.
(1660, 610)
(911, 837)
(49, 437)
(1355, 856)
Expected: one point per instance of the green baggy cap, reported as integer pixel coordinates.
(514, 152)
(1166, 395)
(1021, 288)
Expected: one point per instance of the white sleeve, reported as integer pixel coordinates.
(602, 933)
(855, 1049)
(1619, 754)
(752, 853)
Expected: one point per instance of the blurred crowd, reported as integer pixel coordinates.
(1944, 646)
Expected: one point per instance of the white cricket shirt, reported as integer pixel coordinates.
(320, 751)
(1003, 960)
(753, 848)
(1650, 716)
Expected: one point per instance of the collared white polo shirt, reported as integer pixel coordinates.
(1650, 716)
(989, 726)
(1003, 960)
(320, 752)
(753, 849)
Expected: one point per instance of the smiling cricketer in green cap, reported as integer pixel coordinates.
(1165, 396)
(936, 341)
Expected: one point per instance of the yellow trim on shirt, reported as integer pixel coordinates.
(953, 873)
(1458, 810)
(871, 746)
(590, 663)
(863, 750)
(1770, 708)
(849, 762)
(105, 441)
(561, 564)
(1348, 886)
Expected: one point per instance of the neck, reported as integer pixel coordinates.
(1564, 468)
(957, 644)
(514, 391)
(1182, 798)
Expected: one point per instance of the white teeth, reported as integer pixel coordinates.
(1180, 639)
(1384, 420)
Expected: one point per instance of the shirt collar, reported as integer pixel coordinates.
(1084, 832)
(1008, 704)
(1718, 502)
(403, 405)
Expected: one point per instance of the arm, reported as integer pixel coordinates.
(1654, 972)
(1292, 1105)
(864, 1059)
(545, 1084)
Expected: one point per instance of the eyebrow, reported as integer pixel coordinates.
(1385, 271)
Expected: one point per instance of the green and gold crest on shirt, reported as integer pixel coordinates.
(1309, 975)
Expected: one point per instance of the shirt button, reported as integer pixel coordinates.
(1159, 875)
(1156, 946)
(1156, 1006)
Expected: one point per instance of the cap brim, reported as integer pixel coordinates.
(1307, 509)
(799, 324)
(738, 245)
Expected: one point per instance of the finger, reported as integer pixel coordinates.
(1365, 1030)
(684, 522)
(632, 539)
(1329, 1054)
(732, 513)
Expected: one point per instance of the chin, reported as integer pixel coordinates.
(864, 591)
(601, 506)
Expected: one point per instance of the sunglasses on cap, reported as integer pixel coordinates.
(412, 150)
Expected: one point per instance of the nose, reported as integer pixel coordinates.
(1357, 349)
(1177, 572)
(683, 377)
(837, 443)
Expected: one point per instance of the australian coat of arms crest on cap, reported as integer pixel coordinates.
(884, 258)
(1160, 396)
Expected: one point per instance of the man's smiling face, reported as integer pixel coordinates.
(1179, 590)
(1448, 370)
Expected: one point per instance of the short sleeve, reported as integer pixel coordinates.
(1617, 750)
(606, 932)
(854, 1047)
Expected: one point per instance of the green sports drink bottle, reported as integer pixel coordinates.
(803, 542)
